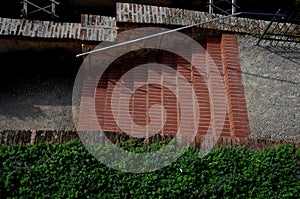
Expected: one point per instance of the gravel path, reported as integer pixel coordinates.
(42, 104)
(271, 78)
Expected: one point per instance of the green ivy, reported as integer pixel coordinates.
(70, 171)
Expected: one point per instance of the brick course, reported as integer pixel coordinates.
(27, 137)
(92, 28)
(147, 14)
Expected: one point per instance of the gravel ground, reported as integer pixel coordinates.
(271, 79)
(36, 89)
(42, 104)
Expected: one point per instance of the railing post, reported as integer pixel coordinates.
(210, 6)
(53, 7)
(24, 10)
(233, 6)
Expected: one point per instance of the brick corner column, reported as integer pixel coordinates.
(214, 53)
(239, 122)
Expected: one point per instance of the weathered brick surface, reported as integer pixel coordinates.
(92, 21)
(136, 13)
(98, 28)
(92, 28)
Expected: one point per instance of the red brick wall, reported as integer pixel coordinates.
(239, 122)
(213, 49)
(224, 53)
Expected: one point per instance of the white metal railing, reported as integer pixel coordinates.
(213, 5)
(37, 8)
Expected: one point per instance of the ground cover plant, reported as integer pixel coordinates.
(69, 171)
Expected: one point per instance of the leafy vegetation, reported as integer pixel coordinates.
(70, 171)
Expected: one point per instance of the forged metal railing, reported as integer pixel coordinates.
(282, 31)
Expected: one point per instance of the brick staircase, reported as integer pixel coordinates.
(224, 53)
